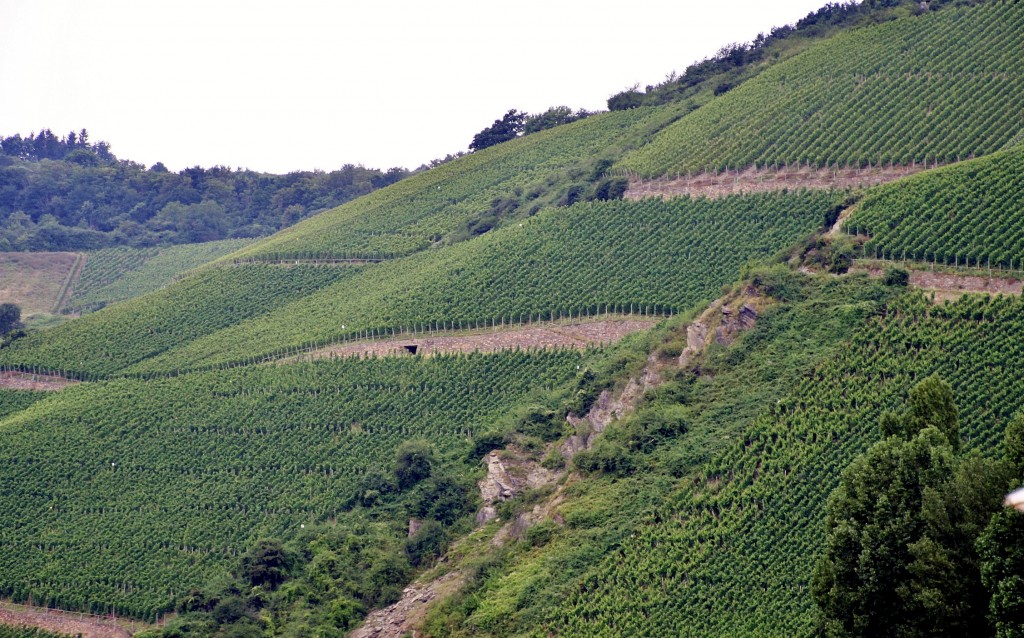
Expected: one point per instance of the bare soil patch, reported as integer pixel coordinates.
(953, 285)
(27, 381)
(765, 180)
(567, 335)
(70, 623)
(35, 281)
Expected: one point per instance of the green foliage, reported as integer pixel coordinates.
(901, 528)
(1001, 547)
(875, 95)
(10, 318)
(12, 401)
(266, 564)
(11, 631)
(720, 533)
(509, 127)
(65, 195)
(896, 277)
(649, 258)
(116, 274)
(966, 214)
(146, 489)
(414, 461)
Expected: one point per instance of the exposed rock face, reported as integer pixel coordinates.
(735, 322)
(509, 472)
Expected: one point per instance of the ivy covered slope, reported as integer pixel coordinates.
(471, 194)
(116, 274)
(121, 496)
(713, 527)
(650, 257)
(971, 214)
(938, 87)
(107, 341)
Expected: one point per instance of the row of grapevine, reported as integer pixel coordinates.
(963, 215)
(935, 88)
(122, 495)
(651, 256)
(116, 274)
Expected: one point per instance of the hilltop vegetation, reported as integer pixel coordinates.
(67, 194)
(907, 91)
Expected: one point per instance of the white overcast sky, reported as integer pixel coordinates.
(305, 84)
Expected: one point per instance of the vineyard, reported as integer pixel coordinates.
(963, 215)
(438, 204)
(121, 496)
(12, 401)
(116, 274)
(27, 632)
(114, 338)
(717, 533)
(637, 258)
(930, 89)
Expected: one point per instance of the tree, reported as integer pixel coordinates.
(901, 528)
(1001, 547)
(507, 128)
(10, 318)
(267, 564)
(414, 461)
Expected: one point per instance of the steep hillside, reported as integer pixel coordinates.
(713, 528)
(933, 88)
(114, 338)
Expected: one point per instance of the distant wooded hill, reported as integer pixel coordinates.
(66, 193)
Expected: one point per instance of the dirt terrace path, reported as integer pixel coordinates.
(61, 622)
(571, 335)
(765, 180)
(26, 381)
(953, 285)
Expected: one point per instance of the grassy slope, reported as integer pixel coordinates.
(938, 86)
(126, 494)
(116, 274)
(969, 213)
(34, 281)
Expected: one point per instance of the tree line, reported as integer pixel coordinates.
(67, 193)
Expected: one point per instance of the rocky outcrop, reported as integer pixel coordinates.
(509, 472)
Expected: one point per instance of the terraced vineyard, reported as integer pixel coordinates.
(116, 274)
(934, 88)
(114, 338)
(121, 496)
(411, 215)
(963, 215)
(649, 257)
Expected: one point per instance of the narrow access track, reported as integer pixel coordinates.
(565, 335)
(714, 185)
